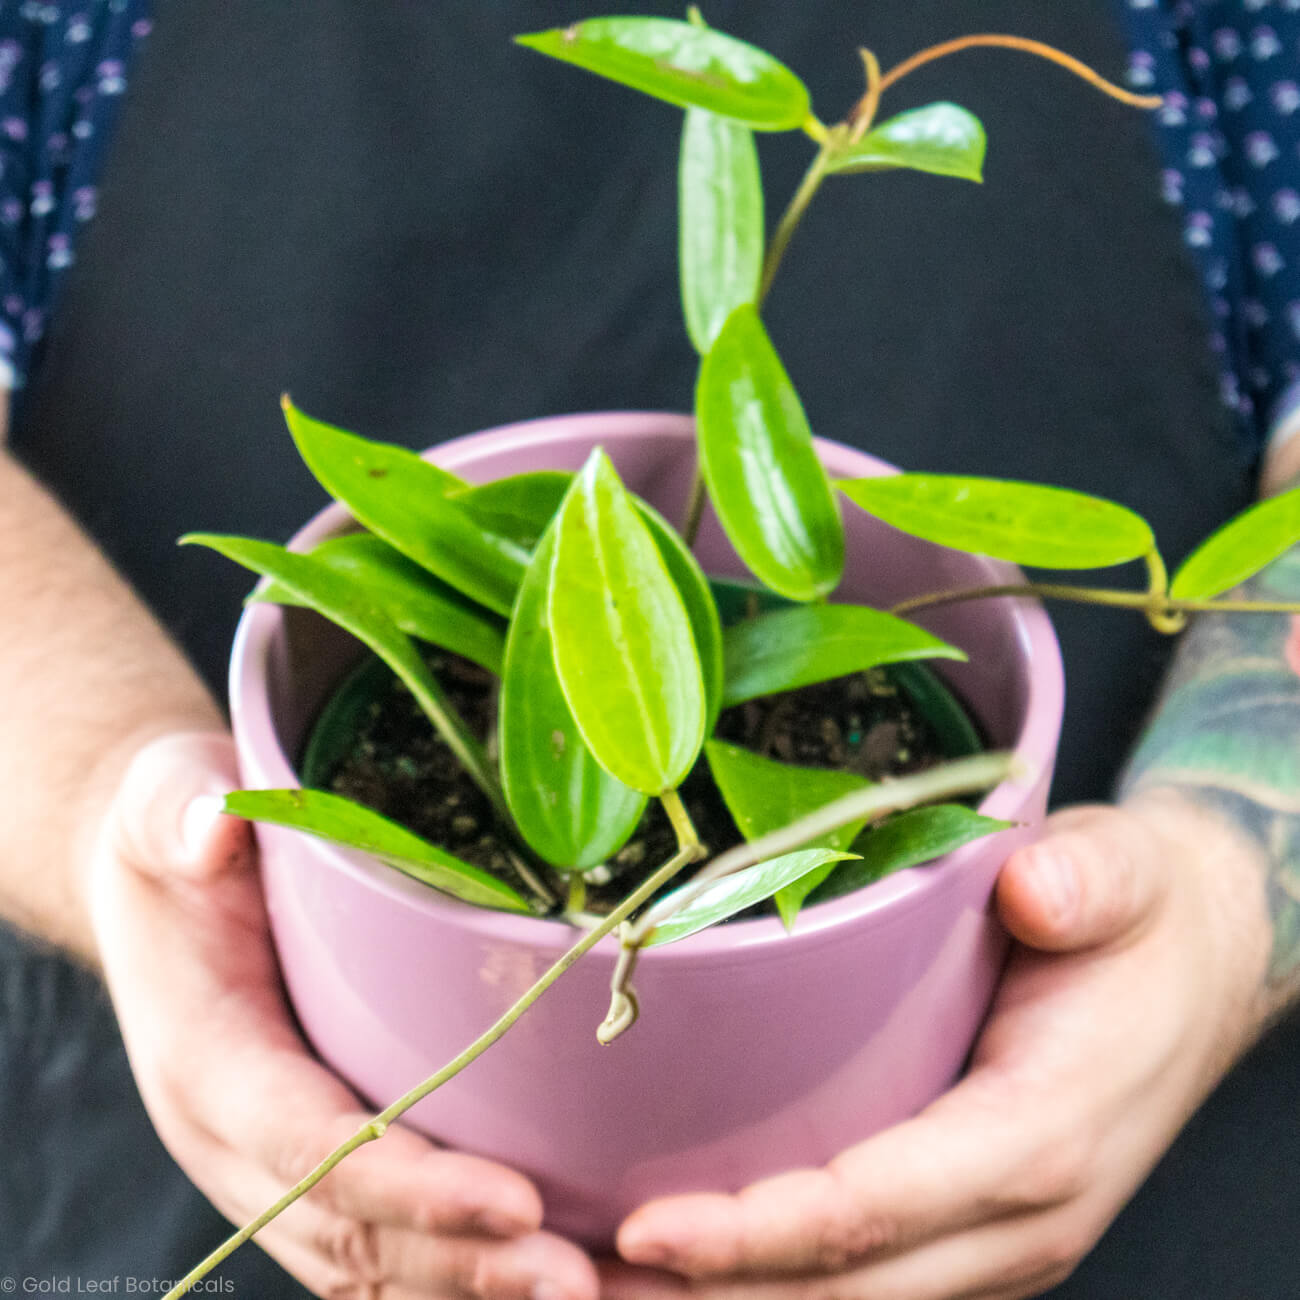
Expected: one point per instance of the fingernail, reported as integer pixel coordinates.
(1057, 883)
(197, 821)
(545, 1290)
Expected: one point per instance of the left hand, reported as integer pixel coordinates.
(1135, 983)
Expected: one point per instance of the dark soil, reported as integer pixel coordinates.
(399, 766)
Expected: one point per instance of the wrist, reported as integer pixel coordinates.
(1218, 890)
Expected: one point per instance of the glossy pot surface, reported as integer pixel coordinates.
(756, 1050)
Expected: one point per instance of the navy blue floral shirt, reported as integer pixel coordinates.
(63, 71)
(1229, 130)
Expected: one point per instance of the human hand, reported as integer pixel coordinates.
(1136, 982)
(238, 1101)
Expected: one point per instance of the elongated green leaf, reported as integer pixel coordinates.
(418, 603)
(1240, 549)
(1027, 523)
(687, 65)
(933, 699)
(944, 139)
(518, 507)
(796, 647)
(568, 808)
(701, 609)
(341, 821)
(906, 840)
(733, 894)
(404, 500)
(720, 224)
(336, 598)
(756, 453)
(623, 645)
(764, 795)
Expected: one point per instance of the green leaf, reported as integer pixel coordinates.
(403, 498)
(341, 821)
(418, 603)
(1240, 549)
(337, 598)
(623, 645)
(944, 139)
(906, 840)
(687, 65)
(701, 609)
(720, 225)
(518, 507)
(756, 454)
(796, 647)
(934, 700)
(1026, 523)
(568, 808)
(764, 795)
(734, 893)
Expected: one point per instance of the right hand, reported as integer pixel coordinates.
(234, 1092)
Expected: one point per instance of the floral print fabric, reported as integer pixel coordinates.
(1229, 71)
(63, 71)
(1229, 131)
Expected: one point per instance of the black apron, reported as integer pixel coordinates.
(420, 230)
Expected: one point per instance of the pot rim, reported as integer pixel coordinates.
(252, 716)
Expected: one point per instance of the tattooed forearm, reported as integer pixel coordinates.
(1226, 734)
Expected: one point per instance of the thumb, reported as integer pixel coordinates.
(1095, 876)
(166, 817)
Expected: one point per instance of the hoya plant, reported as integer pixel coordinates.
(615, 654)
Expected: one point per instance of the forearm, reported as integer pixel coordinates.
(86, 677)
(1226, 736)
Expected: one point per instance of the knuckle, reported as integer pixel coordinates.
(1051, 1175)
(845, 1230)
(1058, 1252)
(345, 1288)
(351, 1249)
(844, 1242)
(295, 1151)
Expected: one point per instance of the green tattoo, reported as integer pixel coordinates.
(1226, 734)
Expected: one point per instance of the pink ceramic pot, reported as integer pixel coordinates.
(756, 1050)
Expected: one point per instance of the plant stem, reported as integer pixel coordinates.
(694, 506)
(577, 899)
(545, 898)
(1140, 600)
(864, 112)
(683, 827)
(623, 1007)
(376, 1127)
(1159, 614)
(793, 214)
(1043, 51)
(961, 776)
(431, 698)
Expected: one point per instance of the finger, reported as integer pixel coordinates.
(166, 818)
(241, 1186)
(1097, 875)
(367, 1254)
(319, 1244)
(216, 1049)
(354, 1255)
(968, 1159)
(1008, 1260)
(400, 1179)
